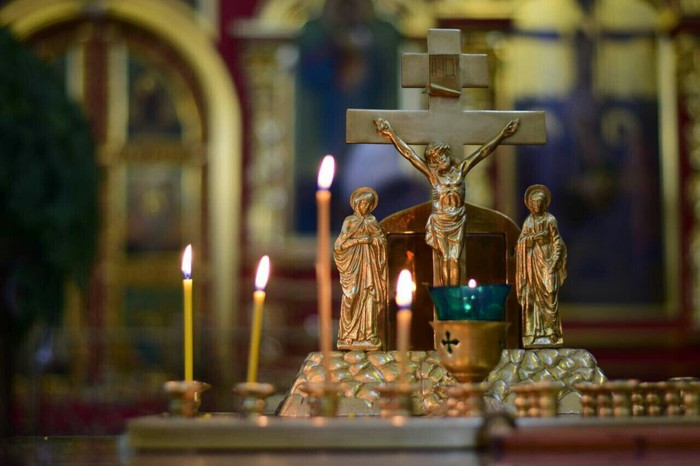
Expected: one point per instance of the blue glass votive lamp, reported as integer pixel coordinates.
(482, 302)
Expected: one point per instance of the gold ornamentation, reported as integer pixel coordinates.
(360, 374)
(541, 270)
(360, 254)
(445, 126)
(688, 49)
(445, 227)
(567, 365)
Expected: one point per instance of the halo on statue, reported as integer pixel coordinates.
(361, 191)
(533, 189)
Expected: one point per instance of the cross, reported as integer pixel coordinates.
(449, 342)
(444, 71)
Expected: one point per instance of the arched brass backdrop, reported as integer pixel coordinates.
(469, 349)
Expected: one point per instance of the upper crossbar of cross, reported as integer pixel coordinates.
(444, 71)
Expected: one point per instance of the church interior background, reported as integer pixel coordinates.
(209, 119)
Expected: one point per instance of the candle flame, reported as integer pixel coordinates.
(471, 283)
(187, 262)
(263, 273)
(404, 289)
(326, 172)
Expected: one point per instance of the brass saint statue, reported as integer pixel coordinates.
(540, 272)
(360, 254)
(445, 226)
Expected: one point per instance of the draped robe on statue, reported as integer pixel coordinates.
(541, 264)
(362, 270)
(444, 230)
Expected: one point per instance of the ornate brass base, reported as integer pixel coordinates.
(359, 373)
(567, 365)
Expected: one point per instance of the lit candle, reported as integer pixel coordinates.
(323, 256)
(471, 283)
(256, 325)
(187, 292)
(404, 298)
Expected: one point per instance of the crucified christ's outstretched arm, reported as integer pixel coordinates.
(486, 150)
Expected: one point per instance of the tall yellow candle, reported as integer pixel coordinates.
(187, 294)
(256, 324)
(323, 256)
(404, 298)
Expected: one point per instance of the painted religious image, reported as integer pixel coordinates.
(540, 272)
(154, 208)
(603, 163)
(445, 226)
(361, 257)
(348, 57)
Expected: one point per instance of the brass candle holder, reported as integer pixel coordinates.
(185, 396)
(596, 399)
(549, 392)
(537, 399)
(653, 399)
(466, 400)
(689, 393)
(322, 398)
(469, 349)
(622, 393)
(396, 399)
(671, 396)
(253, 396)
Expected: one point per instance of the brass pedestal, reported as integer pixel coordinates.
(185, 396)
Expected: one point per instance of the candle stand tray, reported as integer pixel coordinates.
(230, 432)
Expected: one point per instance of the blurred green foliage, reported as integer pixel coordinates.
(48, 189)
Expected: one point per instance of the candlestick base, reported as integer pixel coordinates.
(396, 399)
(466, 400)
(185, 396)
(540, 399)
(253, 396)
(322, 398)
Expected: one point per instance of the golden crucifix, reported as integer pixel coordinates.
(444, 71)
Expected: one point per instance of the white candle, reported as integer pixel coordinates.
(256, 323)
(188, 318)
(404, 298)
(323, 256)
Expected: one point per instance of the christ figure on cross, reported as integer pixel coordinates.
(444, 231)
